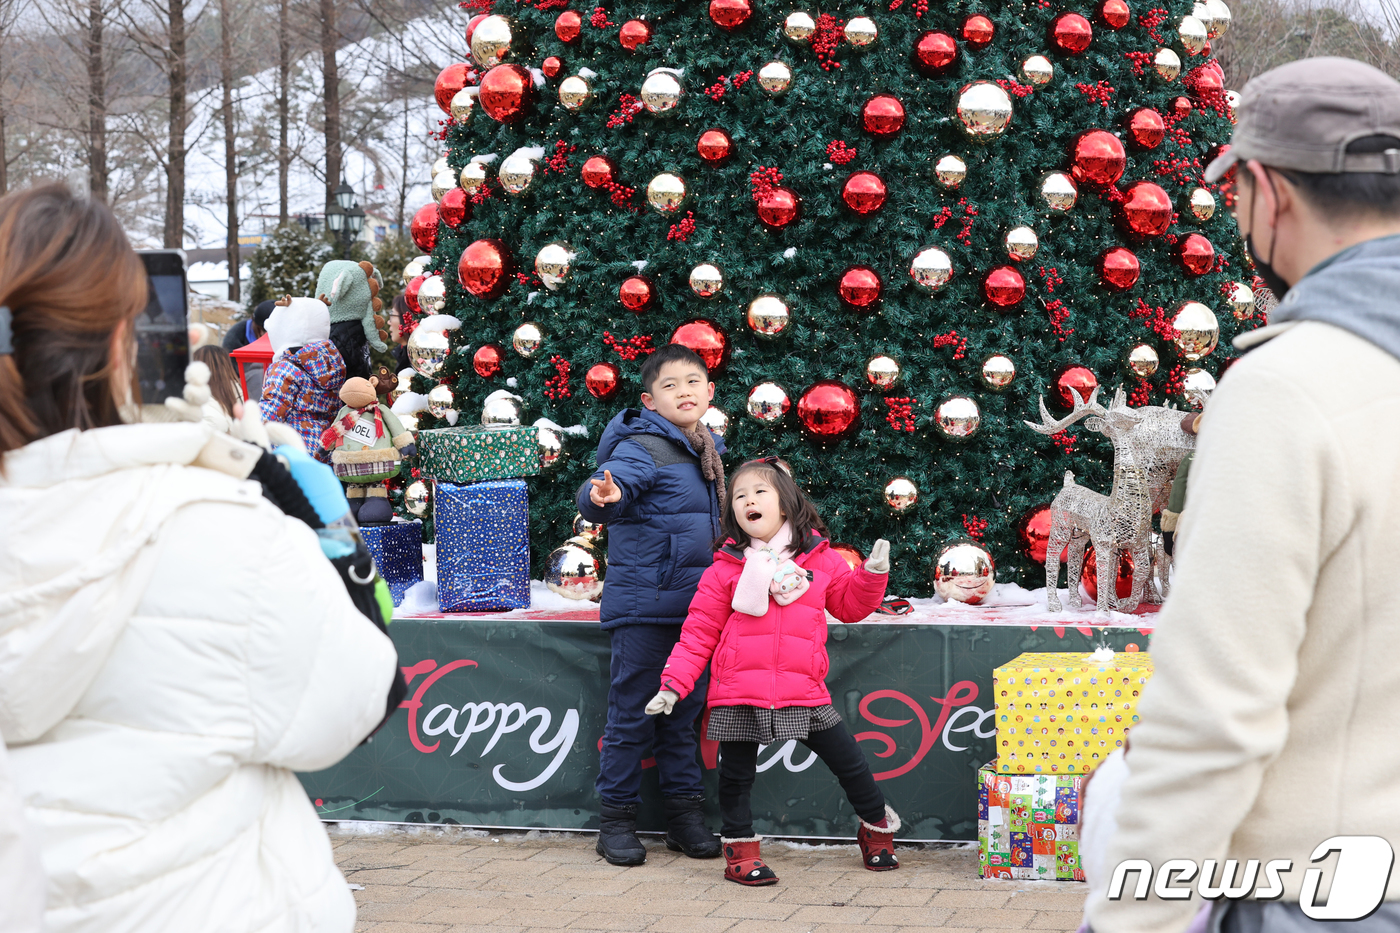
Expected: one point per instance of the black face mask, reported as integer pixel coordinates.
(1266, 271)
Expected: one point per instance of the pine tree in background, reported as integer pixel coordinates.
(287, 263)
(892, 193)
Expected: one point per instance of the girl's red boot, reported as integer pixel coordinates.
(743, 864)
(877, 842)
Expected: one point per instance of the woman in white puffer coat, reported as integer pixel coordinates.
(172, 646)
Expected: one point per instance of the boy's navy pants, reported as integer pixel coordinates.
(639, 652)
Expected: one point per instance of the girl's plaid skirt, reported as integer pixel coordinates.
(766, 726)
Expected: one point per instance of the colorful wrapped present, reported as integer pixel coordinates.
(483, 546)
(1064, 712)
(479, 454)
(397, 550)
(1028, 825)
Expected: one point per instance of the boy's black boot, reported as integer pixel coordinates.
(617, 836)
(685, 828)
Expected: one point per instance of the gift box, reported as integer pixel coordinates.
(1028, 825)
(483, 546)
(397, 550)
(479, 454)
(1064, 712)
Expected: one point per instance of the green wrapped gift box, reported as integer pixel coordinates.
(1028, 825)
(479, 454)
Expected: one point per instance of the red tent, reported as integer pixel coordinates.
(259, 351)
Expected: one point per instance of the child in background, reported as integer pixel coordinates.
(759, 621)
(224, 392)
(302, 385)
(658, 487)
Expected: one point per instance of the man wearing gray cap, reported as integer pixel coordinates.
(1270, 731)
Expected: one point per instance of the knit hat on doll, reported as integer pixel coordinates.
(297, 323)
(346, 286)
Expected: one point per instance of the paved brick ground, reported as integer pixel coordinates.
(426, 880)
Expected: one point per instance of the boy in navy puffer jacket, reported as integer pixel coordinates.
(658, 487)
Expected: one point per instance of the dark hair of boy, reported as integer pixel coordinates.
(798, 511)
(671, 353)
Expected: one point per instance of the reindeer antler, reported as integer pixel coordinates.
(1082, 409)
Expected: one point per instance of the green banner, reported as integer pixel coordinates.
(504, 716)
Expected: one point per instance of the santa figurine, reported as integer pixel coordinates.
(366, 441)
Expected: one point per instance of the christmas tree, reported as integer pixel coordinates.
(864, 220)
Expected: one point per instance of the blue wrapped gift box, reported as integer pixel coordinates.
(397, 550)
(483, 546)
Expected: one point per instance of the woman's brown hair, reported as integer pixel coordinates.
(71, 280)
(798, 511)
(223, 379)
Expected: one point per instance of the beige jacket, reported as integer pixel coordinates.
(1273, 719)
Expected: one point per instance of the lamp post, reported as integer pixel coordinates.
(344, 217)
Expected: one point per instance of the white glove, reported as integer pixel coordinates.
(663, 702)
(196, 393)
(879, 559)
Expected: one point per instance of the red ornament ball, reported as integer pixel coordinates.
(714, 146)
(1097, 158)
(1071, 33)
(1119, 268)
(410, 293)
(487, 360)
(551, 66)
(1078, 378)
(1115, 14)
(829, 409)
(730, 14)
(1146, 209)
(707, 340)
(849, 553)
(777, 207)
(449, 81)
(454, 208)
(1196, 254)
(598, 171)
(883, 115)
(637, 293)
(978, 31)
(934, 53)
(860, 287)
(1004, 287)
(1146, 128)
(864, 192)
(1205, 81)
(507, 92)
(603, 380)
(634, 34)
(1182, 107)
(1089, 577)
(485, 268)
(568, 25)
(1033, 533)
(424, 227)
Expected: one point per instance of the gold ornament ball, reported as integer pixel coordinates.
(1196, 386)
(964, 573)
(882, 372)
(432, 295)
(768, 315)
(861, 32)
(415, 268)
(1022, 243)
(501, 408)
(551, 446)
(440, 400)
(768, 402)
(491, 41)
(427, 350)
(443, 182)
(1197, 330)
(716, 420)
(661, 92)
(775, 78)
(517, 173)
(1037, 70)
(1143, 360)
(1192, 32)
(901, 494)
(439, 167)
(473, 176)
(799, 26)
(552, 265)
(416, 498)
(575, 92)
(1219, 15)
(998, 372)
(1167, 64)
(984, 110)
(706, 280)
(1202, 204)
(592, 532)
(950, 171)
(957, 417)
(666, 193)
(575, 570)
(931, 269)
(1059, 191)
(463, 103)
(1241, 301)
(527, 339)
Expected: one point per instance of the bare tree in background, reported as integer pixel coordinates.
(284, 73)
(226, 78)
(10, 11)
(1264, 34)
(330, 74)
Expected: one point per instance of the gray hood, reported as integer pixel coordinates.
(1357, 290)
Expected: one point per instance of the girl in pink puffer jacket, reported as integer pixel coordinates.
(759, 620)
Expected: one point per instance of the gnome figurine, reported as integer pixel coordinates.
(366, 441)
(352, 293)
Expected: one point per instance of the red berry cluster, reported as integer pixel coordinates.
(559, 162)
(682, 230)
(825, 40)
(483, 192)
(975, 526)
(1180, 168)
(632, 347)
(1140, 60)
(901, 413)
(742, 78)
(942, 217)
(920, 7)
(1174, 385)
(1064, 440)
(716, 91)
(1140, 395)
(1099, 93)
(969, 212)
(1154, 319)
(1012, 86)
(599, 19)
(951, 339)
(476, 6)
(764, 180)
(628, 107)
(526, 279)
(838, 152)
(1051, 277)
(1151, 20)
(557, 385)
(621, 195)
(1059, 313)
(548, 4)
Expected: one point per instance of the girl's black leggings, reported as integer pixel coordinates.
(835, 747)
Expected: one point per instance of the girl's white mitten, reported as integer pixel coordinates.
(879, 559)
(663, 702)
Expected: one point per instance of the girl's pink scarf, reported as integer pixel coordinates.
(760, 579)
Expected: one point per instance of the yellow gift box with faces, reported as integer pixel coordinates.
(1063, 712)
